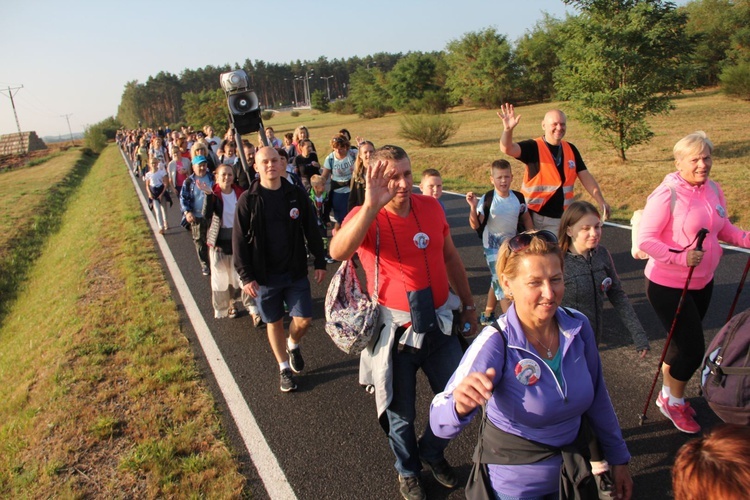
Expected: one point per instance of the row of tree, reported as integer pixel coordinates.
(617, 61)
(162, 98)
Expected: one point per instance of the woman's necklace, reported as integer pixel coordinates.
(549, 350)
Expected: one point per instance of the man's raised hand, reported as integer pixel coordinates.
(508, 115)
(379, 188)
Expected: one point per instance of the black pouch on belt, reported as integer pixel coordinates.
(422, 308)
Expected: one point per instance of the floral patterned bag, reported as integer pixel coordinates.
(351, 315)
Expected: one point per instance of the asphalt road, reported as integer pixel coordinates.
(325, 436)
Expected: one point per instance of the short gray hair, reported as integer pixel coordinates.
(692, 144)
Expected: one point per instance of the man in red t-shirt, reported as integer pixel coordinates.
(417, 263)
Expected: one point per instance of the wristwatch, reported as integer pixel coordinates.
(470, 308)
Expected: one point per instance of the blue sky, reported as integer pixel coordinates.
(75, 57)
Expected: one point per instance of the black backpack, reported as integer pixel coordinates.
(726, 373)
(486, 210)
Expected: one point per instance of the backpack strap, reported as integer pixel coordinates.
(486, 205)
(496, 326)
(715, 366)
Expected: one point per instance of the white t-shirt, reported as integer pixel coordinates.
(214, 143)
(503, 219)
(230, 204)
(156, 179)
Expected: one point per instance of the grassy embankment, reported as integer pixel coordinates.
(465, 160)
(99, 395)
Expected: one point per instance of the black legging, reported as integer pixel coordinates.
(687, 347)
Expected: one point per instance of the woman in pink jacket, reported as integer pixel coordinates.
(684, 203)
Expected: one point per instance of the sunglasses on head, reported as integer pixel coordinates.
(522, 241)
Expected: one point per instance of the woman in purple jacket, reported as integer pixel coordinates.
(536, 379)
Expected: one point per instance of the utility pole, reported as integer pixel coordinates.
(304, 93)
(294, 87)
(11, 93)
(308, 75)
(328, 89)
(67, 118)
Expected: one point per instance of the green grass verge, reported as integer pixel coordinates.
(34, 199)
(99, 392)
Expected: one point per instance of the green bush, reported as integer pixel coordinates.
(295, 113)
(319, 101)
(735, 80)
(266, 115)
(95, 138)
(343, 107)
(433, 102)
(427, 130)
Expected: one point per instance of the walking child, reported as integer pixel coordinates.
(432, 185)
(497, 216)
(157, 188)
(322, 202)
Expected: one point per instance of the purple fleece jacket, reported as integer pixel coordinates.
(545, 411)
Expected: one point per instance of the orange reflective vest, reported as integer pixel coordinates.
(539, 189)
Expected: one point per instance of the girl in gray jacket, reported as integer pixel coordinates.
(590, 273)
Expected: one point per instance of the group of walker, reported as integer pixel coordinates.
(534, 373)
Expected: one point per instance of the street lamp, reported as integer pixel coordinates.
(328, 89)
(308, 75)
(301, 79)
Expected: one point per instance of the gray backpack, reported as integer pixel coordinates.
(725, 379)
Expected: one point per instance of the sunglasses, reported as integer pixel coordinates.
(521, 242)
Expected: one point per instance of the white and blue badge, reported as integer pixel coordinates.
(421, 240)
(528, 371)
(571, 164)
(606, 284)
(720, 210)
(294, 213)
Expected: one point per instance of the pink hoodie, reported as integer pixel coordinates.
(695, 207)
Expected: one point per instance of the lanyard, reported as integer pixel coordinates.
(398, 254)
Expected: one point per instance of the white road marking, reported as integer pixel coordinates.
(265, 461)
(629, 228)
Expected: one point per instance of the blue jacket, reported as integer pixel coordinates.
(545, 410)
(188, 194)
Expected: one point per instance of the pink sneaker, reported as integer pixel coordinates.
(663, 401)
(680, 415)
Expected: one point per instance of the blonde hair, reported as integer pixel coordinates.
(317, 180)
(297, 130)
(692, 144)
(196, 145)
(358, 175)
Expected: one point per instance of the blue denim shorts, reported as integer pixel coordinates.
(281, 289)
(490, 255)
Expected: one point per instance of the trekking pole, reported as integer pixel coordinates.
(699, 246)
(739, 290)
